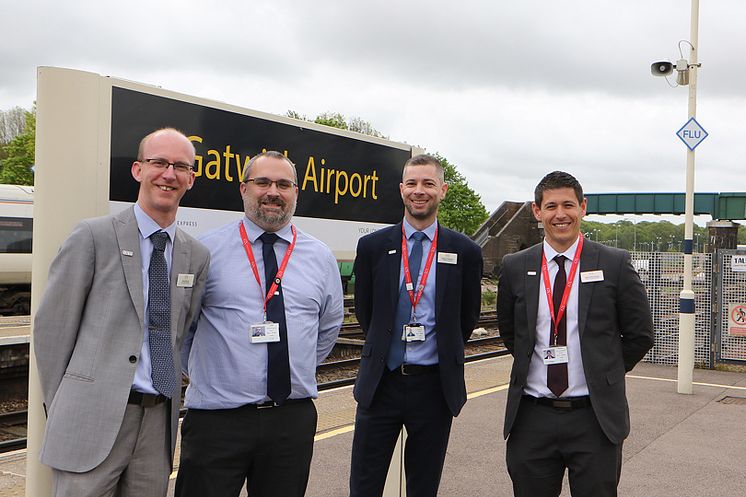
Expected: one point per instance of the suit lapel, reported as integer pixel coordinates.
(393, 261)
(128, 240)
(532, 291)
(179, 265)
(445, 244)
(588, 262)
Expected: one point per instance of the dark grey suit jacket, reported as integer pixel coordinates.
(614, 322)
(88, 332)
(457, 307)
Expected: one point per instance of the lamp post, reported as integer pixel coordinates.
(686, 298)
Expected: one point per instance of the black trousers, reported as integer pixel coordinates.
(544, 441)
(417, 403)
(269, 449)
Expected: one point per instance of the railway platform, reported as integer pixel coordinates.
(680, 445)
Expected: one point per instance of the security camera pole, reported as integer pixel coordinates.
(686, 298)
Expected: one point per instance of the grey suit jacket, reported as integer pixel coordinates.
(614, 322)
(88, 331)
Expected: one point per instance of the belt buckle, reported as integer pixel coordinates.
(562, 404)
(403, 371)
(267, 405)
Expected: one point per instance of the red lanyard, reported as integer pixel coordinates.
(408, 276)
(568, 287)
(252, 263)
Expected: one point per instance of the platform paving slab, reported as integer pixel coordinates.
(680, 445)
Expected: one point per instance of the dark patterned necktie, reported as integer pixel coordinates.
(404, 306)
(163, 370)
(278, 363)
(557, 373)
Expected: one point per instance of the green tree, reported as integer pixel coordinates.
(12, 124)
(333, 119)
(338, 120)
(462, 209)
(18, 155)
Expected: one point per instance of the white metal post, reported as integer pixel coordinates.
(686, 298)
(71, 184)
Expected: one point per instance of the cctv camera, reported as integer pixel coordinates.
(662, 68)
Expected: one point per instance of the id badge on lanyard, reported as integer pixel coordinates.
(557, 354)
(266, 331)
(414, 331)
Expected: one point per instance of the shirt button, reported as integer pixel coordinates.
(133, 359)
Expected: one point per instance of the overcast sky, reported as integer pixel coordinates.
(506, 90)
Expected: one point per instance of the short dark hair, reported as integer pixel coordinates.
(555, 180)
(426, 160)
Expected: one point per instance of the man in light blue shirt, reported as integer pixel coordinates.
(252, 358)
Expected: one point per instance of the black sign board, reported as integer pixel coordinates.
(338, 177)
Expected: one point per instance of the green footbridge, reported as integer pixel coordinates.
(729, 206)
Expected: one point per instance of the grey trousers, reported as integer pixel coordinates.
(138, 465)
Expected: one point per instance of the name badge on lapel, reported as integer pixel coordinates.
(591, 276)
(185, 280)
(447, 257)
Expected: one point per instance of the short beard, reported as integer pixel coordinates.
(271, 222)
(421, 215)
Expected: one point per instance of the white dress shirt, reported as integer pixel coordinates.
(536, 383)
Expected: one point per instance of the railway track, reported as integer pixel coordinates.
(10, 422)
(18, 418)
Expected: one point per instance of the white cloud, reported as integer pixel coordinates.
(506, 90)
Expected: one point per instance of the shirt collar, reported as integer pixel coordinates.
(147, 226)
(429, 231)
(550, 253)
(253, 231)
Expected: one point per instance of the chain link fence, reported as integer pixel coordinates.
(729, 319)
(662, 273)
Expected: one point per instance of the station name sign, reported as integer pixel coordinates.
(339, 177)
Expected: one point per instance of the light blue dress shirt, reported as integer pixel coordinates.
(143, 381)
(423, 353)
(225, 369)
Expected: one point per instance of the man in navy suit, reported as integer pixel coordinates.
(575, 316)
(417, 299)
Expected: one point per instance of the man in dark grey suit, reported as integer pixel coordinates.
(575, 316)
(120, 294)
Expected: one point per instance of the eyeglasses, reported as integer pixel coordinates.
(264, 183)
(179, 167)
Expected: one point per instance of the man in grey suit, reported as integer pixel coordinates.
(575, 317)
(120, 294)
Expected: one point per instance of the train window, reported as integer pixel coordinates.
(15, 235)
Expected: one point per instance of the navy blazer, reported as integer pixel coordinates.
(457, 307)
(614, 322)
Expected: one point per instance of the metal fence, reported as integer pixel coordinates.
(731, 289)
(663, 276)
